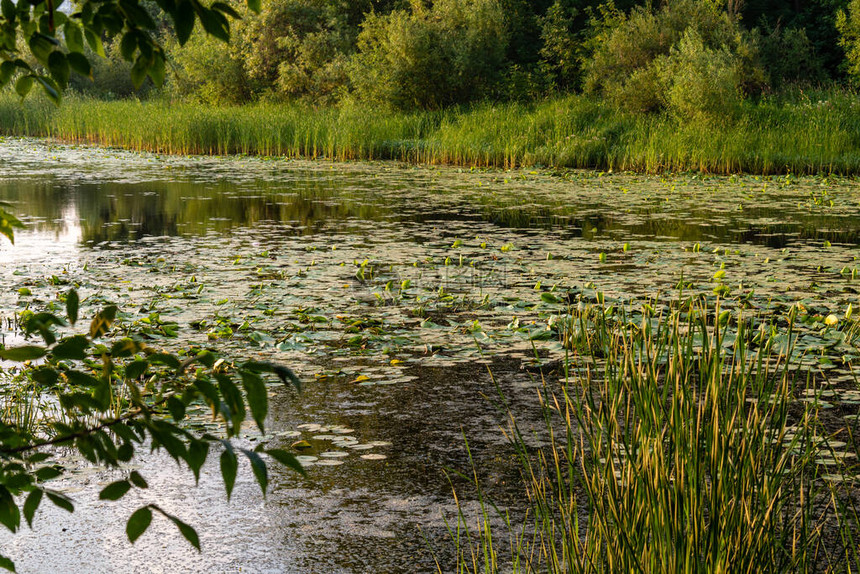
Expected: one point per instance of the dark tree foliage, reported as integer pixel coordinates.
(817, 18)
(41, 44)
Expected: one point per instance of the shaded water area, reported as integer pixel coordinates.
(393, 291)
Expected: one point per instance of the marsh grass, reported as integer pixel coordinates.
(798, 132)
(678, 445)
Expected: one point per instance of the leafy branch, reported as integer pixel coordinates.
(117, 398)
(57, 40)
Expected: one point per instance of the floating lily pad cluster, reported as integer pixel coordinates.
(332, 445)
(363, 273)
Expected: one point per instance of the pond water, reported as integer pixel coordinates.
(394, 292)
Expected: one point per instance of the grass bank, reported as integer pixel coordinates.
(805, 133)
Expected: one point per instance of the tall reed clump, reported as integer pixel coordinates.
(811, 133)
(679, 445)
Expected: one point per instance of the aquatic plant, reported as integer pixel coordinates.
(813, 133)
(692, 442)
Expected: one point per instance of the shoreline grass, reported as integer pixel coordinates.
(810, 134)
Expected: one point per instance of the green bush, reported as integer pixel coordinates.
(429, 57)
(299, 48)
(111, 77)
(689, 57)
(208, 70)
(560, 50)
(848, 24)
(789, 58)
(701, 84)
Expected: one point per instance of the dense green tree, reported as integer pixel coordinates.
(431, 56)
(816, 18)
(848, 24)
(299, 48)
(689, 57)
(209, 71)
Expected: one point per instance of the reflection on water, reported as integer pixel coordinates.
(346, 273)
(179, 197)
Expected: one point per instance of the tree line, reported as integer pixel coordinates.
(693, 58)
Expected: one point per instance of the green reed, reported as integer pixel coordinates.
(678, 445)
(801, 133)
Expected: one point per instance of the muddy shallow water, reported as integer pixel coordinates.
(390, 289)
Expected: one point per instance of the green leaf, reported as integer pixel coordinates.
(226, 9)
(164, 359)
(102, 321)
(548, 297)
(288, 459)
(259, 468)
(137, 480)
(102, 394)
(17, 481)
(72, 303)
(50, 88)
(183, 21)
(135, 369)
(7, 564)
(233, 400)
(128, 45)
(42, 323)
(59, 67)
(80, 64)
(46, 376)
(115, 490)
(137, 14)
(286, 375)
(214, 22)
(138, 522)
(7, 8)
(10, 516)
(31, 505)
(255, 6)
(24, 85)
(176, 408)
(24, 353)
(198, 450)
(258, 399)
(48, 473)
(162, 432)
(81, 379)
(209, 391)
(229, 468)
(41, 46)
(7, 70)
(187, 531)
(125, 347)
(74, 38)
(125, 452)
(60, 500)
(73, 348)
(8, 223)
(156, 69)
(95, 43)
(138, 71)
